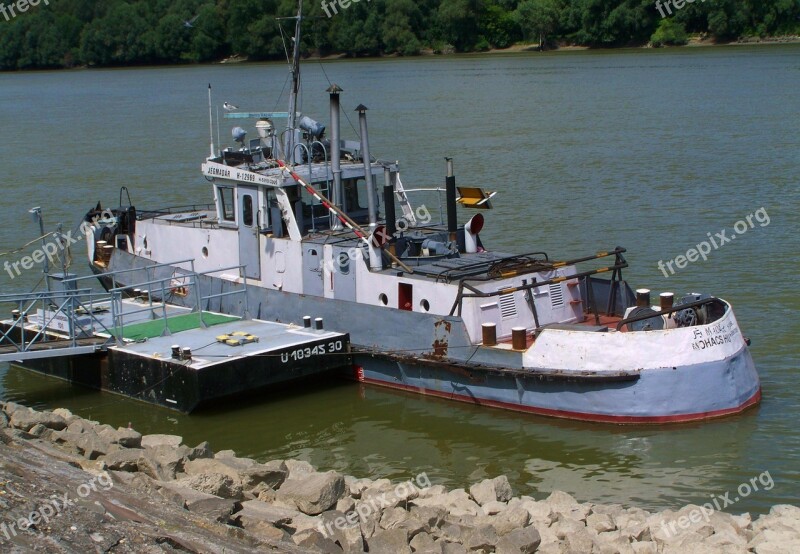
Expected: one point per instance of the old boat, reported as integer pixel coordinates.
(428, 306)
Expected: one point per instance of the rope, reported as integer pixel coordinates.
(23, 247)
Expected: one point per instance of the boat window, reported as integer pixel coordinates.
(226, 205)
(355, 194)
(247, 210)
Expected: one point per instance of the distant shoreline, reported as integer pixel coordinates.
(694, 42)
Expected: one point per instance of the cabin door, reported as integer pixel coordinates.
(249, 251)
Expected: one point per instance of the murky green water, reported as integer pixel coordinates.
(648, 150)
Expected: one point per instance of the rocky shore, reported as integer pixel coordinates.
(72, 485)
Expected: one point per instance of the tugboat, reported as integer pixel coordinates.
(429, 307)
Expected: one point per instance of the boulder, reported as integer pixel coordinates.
(509, 520)
(296, 468)
(26, 419)
(214, 483)
(150, 441)
(314, 493)
(248, 473)
(398, 518)
(256, 511)
(456, 502)
(91, 446)
(163, 462)
(343, 530)
(80, 425)
(314, 541)
(3, 420)
(481, 538)
(126, 459)
(126, 438)
(492, 490)
(453, 548)
(601, 523)
(493, 508)
(423, 542)
(392, 540)
(519, 541)
(182, 495)
(201, 451)
(217, 509)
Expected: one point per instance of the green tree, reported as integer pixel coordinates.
(458, 22)
(669, 33)
(538, 19)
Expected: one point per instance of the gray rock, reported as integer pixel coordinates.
(201, 451)
(344, 530)
(256, 511)
(432, 516)
(182, 495)
(91, 446)
(126, 438)
(296, 468)
(225, 454)
(149, 441)
(519, 541)
(26, 419)
(10, 407)
(456, 502)
(314, 493)
(38, 430)
(123, 460)
(483, 538)
(214, 483)
(80, 425)
(217, 509)
(645, 547)
(392, 540)
(3, 420)
(346, 505)
(491, 490)
(493, 508)
(601, 523)
(423, 542)
(248, 473)
(453, 548)
(314, 541)
(163, 462)
(509, 520)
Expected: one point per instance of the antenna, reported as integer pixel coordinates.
(291, 124)
(210, 121)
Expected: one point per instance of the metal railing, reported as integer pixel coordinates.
(60, 320)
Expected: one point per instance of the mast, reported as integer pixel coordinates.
(291, 124)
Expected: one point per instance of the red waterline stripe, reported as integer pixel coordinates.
(563, 414)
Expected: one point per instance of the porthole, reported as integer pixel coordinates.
(384, 299)
(205, 252)
(425, 306)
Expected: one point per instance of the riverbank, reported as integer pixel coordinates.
(72, 485)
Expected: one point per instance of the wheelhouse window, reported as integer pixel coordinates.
(227, 207)
(247, 210)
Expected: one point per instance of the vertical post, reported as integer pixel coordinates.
(210, 121)
(336, 155)
(375, 259)
(37, 213)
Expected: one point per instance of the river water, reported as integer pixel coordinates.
(651, 150)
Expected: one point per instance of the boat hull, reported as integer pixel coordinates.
(690, 393)
(432, 354)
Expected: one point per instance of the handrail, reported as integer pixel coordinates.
(674, 309)
(477, 293)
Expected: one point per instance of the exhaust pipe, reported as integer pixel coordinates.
(336, 155)
(375, 258)
(450, 187)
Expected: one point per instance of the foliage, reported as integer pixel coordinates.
(669, 33)
(71, 33)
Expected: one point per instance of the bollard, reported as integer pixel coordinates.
(519, 339)
(643, 298)
(667, 300)
(307, 322)
(489, 334)
(318, 324)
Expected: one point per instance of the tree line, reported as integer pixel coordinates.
(70, 33)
